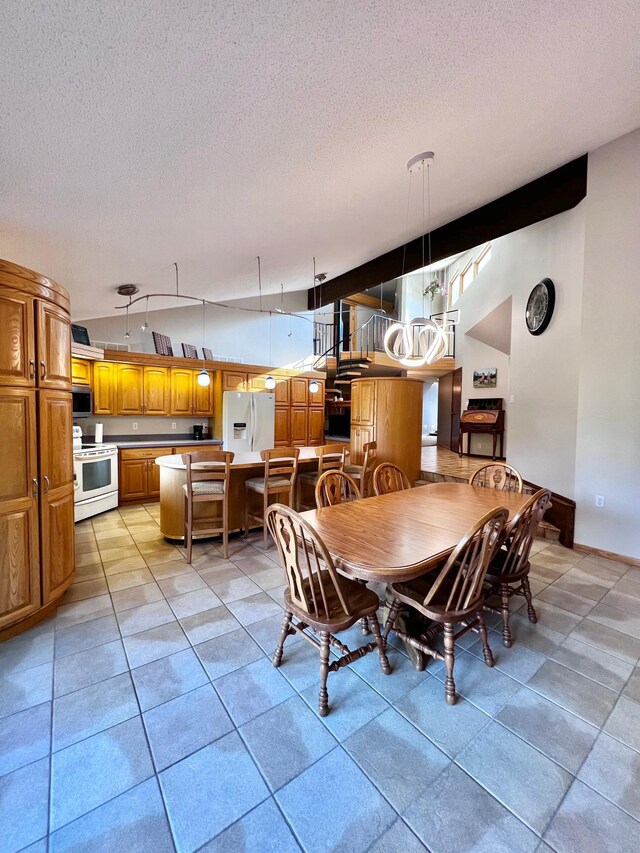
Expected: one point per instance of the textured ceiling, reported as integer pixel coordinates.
(133, 134)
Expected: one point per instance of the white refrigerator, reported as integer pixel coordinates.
(248, 420)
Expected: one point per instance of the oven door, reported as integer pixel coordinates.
(95, 475)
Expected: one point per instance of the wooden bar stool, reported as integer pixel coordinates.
(280, 471)
(388, 478)
(362, 474)
(330, 458)
(208, 483)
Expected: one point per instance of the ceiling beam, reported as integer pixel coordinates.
(547, 196)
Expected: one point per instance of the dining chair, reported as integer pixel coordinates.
(454, 596)
(280, 472)
(362, 474)
(508, 572)
(336, 487)
(319, 599)
(497, 475)
(388, 478)
(330, 458)
(208, 483)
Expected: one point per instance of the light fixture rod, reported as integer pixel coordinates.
(208, 302)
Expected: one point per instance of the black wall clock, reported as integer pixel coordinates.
(540, 305)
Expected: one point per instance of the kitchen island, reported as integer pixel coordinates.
(173, 476)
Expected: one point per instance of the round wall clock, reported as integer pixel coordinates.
(540, 304)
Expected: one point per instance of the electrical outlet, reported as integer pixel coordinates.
(173, 424)
(600, 501)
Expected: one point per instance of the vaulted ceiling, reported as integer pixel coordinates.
(138, 134)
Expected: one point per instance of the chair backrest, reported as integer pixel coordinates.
(459, 584)
(497, 475)
(212, 465)
(520, 532)
(310, 572)
(368, 465)
(330, 457)
(336, 487)
(281, 462)
(389, 478)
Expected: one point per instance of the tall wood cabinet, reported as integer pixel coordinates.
(37, 560)
(388, 411)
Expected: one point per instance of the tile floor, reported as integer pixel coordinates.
(146, 716)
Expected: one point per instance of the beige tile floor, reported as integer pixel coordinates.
(146, 716)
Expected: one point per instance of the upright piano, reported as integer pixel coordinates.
(482, 415)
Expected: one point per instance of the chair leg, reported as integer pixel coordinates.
(364, 625)
(380, 643)
(449, 655)
(247, 494)
(486, 648)
(506, 630)
(189, 531)
(526, 589)
(225, 527)
(323, 696)
(391, 618)
(265, 531)
(284, 633)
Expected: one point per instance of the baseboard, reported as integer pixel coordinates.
(610, 555)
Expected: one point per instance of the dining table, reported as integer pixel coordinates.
(399, 536)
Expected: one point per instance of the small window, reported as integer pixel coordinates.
(483, 258)
(455, 289)
(467, 276)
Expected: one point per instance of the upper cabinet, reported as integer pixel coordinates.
(17, 355)
(156, 391)
(234, 381)
(299, 391)
(104, 388)
(316, 398)
(54, 347)
(80, 371)
(202, 396)
(130, 389)
(181, 391)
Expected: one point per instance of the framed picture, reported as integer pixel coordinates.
(162, 344)
(487, 378)
(189, 351)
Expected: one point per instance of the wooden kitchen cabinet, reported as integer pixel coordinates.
(130, 389)
(299, 391)
(53, 339)
(17, 353)
(360, 435)
(203, 396)
(19, 527)
(56, 493)
(80, 371)
(281, 427)
(363, 401)
(316, 426)
(316, 398)
(132, 482)
(181, 391)
(156, 391)
(104, 388)
(281, 391)
(234, 381)
(299, 426)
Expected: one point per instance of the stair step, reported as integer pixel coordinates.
(363, 358)
(342, 382)
(342, 373)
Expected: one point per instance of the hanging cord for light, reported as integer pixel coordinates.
(270, 382)
(144, 326)
(127, 332)
(203, 377)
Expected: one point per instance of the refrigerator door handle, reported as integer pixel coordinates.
(253, 422)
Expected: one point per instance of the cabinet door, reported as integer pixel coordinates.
(356, 398)
(281, 391)
(299, 389)
(360, 435)
(299, 426)
(202, 396)
(232, 381)
(17, 352)
(255, 381)
(104, 388)
(133, 479)
(316, 426)
(317, 398)
(156, 390)
(19, 557)
(54, 347)
(153, 478)
(181, 391)
(367, 401)
(80, 371)
(56, 493)
(281, 428)
(130, 389)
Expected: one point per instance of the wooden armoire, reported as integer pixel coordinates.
(388, 410)
(37, 560)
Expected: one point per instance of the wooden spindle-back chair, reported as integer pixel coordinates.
(455, 595)
(330, 458)
(388, 478)
(497, 475)
(280, 473)
(363, 474)
(209, 482)
(336, 487)
(317, 598)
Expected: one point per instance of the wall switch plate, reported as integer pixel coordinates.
(599, 500)
(134, 425)
(173, 424)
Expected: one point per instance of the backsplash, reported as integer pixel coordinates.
(147, 425)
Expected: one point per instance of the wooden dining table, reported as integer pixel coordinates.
(400, 536)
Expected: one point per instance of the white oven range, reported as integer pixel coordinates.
(95, 474)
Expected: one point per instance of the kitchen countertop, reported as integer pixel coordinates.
(247, 459)
(122, 443)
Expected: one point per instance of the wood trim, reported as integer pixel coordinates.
(34, 283)
(553, 193)
(152, 359)
(609, 555)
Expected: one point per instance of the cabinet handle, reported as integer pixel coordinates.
(34, 483)
(32, 369)
(46, 484)
(43, 370)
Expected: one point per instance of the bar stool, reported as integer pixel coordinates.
(362, 474)
(280, 471)
(208, 483)
(330, 458)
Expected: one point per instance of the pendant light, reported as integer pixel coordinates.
(269, 382)
(144, 326)
(314, 387)
(127, 332)
(203, 377)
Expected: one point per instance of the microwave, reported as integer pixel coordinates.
(82, 401)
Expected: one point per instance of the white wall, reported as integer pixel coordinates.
(430, 406)
(608, 434)
(236, 334)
